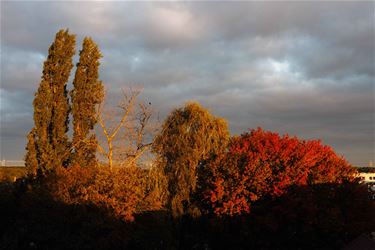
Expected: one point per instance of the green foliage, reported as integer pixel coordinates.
(51, 106)
(189, 137)
(88, 92)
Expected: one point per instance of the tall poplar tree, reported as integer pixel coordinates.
(88, 92)
(51, 105)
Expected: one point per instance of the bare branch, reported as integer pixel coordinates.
(134, 124)
(127, 109)
(101, 149)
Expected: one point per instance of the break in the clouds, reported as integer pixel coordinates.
(302, 68)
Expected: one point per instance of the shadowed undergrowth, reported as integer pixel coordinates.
(323, 216)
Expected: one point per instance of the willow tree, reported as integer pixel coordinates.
(87, 94)
(189, 137)
(51, 106)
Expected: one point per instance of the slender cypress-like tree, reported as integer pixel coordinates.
(88, 92)
(51, 106)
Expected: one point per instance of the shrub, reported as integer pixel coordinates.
(118, 191)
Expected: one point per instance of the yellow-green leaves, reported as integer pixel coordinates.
(88, 92)
(189, 136)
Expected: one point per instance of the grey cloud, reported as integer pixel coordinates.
(306, 68)
(20, 69)
(16, 121)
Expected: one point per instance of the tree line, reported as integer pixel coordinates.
(198, 170)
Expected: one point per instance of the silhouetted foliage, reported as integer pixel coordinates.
(317, 216)
(366, 169)
(320, 216)
(189, 137)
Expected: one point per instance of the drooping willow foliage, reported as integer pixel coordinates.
(189, 137)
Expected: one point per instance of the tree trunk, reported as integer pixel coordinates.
(110, 153)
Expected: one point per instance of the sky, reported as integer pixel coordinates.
(301, 68)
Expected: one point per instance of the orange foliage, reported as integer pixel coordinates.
(118, 191)
(263, 164)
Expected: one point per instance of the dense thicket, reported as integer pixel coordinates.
(118, 191)
(324, 216)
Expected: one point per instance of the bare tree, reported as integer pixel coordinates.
(128, 130)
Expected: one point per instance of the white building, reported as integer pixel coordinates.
(367, 177)
(12, 163)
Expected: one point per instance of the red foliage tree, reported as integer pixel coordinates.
(262, 164)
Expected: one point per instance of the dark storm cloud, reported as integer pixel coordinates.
(301, 68)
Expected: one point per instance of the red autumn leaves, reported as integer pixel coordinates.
(262, 164)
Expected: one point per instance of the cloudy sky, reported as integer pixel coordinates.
(302, 68)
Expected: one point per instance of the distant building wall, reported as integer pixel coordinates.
(12, 163)
(367, 177)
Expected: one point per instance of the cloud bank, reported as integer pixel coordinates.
(302, 68)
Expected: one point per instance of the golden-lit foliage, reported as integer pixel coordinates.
(257, 182)
(31, 160)
(87, 94)
(11, 174)
(189, 137)
(119, 191)
(155, 190)
(51, 106)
